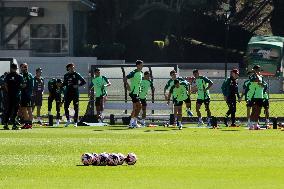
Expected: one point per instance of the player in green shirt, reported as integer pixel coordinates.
(100, 83)
(181, 93)
(256, 96)
(245, 93)
(170, 83)
(146, 84)
(203, 84)
(134, 88)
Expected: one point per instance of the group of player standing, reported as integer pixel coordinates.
(25, 92)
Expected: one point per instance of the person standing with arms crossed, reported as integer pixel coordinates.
(38, 93)
(134, 89)
(146, 84)
(72, 81)
(203, 84)
(13, 85)
(100, 83)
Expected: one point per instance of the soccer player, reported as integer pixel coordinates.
(230, 90)
(245, 92)
(203, 84)
(170, 83)
(256, 95)
(38, 93)
(100, 83)
(146, 84)
(13, 84)
(26, 97)
(72, 81)
(266, 103)
(134, 88)
(181, 93)
(56, 90)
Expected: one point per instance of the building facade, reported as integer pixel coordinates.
(43, 27)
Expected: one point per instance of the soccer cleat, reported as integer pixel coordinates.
(6, 127)
(67, 123)
(57, 122)
(189, 113)
(200, 123)
(15, 127)
(75, 125)
(29, 126)
(25, 126)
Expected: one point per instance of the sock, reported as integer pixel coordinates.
(200, 119)
(248, 120)
(179, 123)
(267, 120)
(143, 121)
(132, 121)
(135, 121)
(208, 119)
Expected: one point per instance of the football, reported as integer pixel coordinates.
(96, 160)
(87, 159)
(131, 159)
(103, 159)
(121, 158)
(113, 160)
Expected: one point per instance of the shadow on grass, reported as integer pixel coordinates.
(231, 130)
(114, 129)
(161, 130)
(96, 130)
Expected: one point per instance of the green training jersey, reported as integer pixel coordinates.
(170, 83)
(99, 85)
(246, 86)
(145, 86)
(135, 81)
(256, 90)
(202, 82)
(180, 93)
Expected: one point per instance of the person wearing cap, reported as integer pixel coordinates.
(26, 97)
(169, 85)
(72, 81)
(246, 93)
(256, 95)
(56, 91)
(13, 85)
(38, 93)
(230, 91)
(100, 83)
(134, 89)
(203, 84)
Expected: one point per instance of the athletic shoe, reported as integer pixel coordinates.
(233, 125)
(131, 126)
(29, 126)
(6, 127)
(226, 121)
(57, 122)
(180, 126)
(75, 124)
(200, 123)
(189, 113)
(256, 127)
(15, 127)
(25, 126)
(67, 123)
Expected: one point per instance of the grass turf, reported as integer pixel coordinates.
(167, 158)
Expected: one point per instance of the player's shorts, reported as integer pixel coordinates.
(180, 103)
(266, 103)
(99, 100)
(143, 102)
(257, 101)
(134, 97)
(37, 99)
(205, 101)
(249, 103)
(26, 101)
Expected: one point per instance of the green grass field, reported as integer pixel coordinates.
(46, 157)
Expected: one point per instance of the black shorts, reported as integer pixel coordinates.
(249, 103)
(143, 102)
(37, 99)
(99, 100)
(26, 100)
(180, 103)
(134, 98)
(257, 101)
(266, 103)
(205, 101)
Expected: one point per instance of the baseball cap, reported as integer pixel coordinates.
(38, 69)
(256, 67)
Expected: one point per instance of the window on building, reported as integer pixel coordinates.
(49, 38)
(20, 40)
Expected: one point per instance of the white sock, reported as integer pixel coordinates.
(132, 121)
(143, 121)
(200, 119)
(135, 121)
(179, 122)
(267, 120)
(248, 120)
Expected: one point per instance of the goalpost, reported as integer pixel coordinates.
(118, 104)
